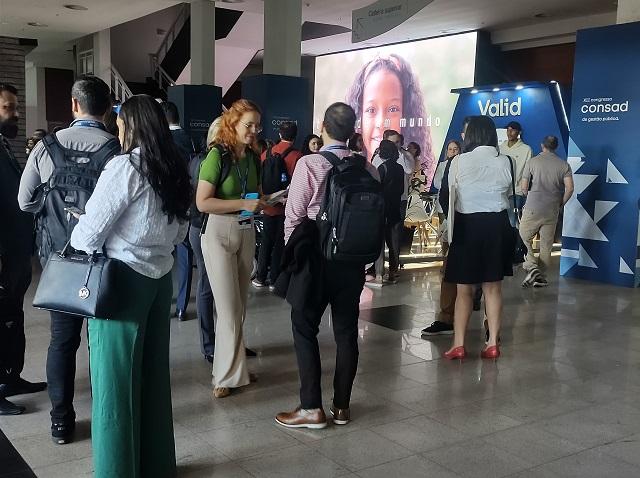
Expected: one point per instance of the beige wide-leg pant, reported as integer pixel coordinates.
(228, 252)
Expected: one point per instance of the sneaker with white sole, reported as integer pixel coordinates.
(530, 278)
(258, 284)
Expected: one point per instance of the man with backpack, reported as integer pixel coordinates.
(278, 164)
(335, 212)
(16, 247)
(60, 176)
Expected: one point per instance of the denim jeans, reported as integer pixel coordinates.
(520, 200)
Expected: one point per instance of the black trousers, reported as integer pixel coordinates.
(184, 260)
(66, 331)
(392, 235)
(342, 283)
(205, 304)
(271, 248)
(15, 278)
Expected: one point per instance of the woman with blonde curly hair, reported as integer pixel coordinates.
(385, 94)
(229, 191)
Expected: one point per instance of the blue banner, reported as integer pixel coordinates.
(281, 98)
(538, 107)
(600, 229)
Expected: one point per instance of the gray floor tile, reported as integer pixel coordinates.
(627, 449)
(477, 458)
(360, 449)
(293, 462)
(224, 470)
(591, 464)
(474, 419)
(76, 468)
(420, 434)
(411, 467)
(248, 439)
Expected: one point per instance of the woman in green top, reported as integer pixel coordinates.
(228, 244)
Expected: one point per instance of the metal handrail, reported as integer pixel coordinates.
(119, 87)
(172, 33)
(160, 74)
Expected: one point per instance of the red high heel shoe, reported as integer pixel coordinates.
(455, 353)
(492, 352)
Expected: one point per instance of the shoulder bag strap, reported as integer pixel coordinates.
(513, 188)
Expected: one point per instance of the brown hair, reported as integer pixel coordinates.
(227, 135)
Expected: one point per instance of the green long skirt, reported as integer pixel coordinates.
(132, 423)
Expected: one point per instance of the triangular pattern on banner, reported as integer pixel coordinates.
(603, 208)
(574, 150)
(613, 175)
(575, 163)
(566, 264)
(624, 267)
(584, 259)
(577, 222)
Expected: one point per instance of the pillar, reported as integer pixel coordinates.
(628, 11)
(35, 98)
(203, 38)
(282, 37)
(102, 55)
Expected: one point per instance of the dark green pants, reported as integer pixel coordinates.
(132, 424)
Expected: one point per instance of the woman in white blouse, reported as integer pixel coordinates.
(483, 241)
(137, 213)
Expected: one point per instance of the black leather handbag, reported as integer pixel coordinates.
(78, 284)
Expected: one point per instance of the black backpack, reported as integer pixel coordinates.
(275, 176)
(351, 217)
(72, 182)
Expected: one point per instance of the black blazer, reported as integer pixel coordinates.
(16, 226)
(302, 267)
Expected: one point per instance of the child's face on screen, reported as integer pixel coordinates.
(381, 107)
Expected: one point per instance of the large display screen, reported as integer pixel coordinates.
(404, 87)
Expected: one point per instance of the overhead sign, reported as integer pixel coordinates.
(382, 16)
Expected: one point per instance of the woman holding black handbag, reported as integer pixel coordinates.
(137, 213)
(481, 251)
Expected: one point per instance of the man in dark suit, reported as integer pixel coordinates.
(184, 254)
(16, 247)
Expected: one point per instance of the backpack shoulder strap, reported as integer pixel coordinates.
(55, 150)
(286, 152)
(107, 151)
(332, 158)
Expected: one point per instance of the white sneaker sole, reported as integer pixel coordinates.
(338, 422)
(313, 426)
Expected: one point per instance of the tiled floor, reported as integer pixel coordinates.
(563, 400)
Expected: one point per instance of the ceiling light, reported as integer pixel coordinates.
(553, 82)
(496, 89)
(474, 91)
(37, 24)
(519, 87)
(81, 8)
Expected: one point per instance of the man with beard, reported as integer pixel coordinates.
(16, 244)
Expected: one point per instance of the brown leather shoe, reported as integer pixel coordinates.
(300, 418)
(341, 416)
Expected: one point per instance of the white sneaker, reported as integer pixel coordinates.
(377, 283)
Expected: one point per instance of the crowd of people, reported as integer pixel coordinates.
(146, 198)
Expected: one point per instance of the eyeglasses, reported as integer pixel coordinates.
(256, 127)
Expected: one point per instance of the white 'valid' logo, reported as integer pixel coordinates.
(501, 108)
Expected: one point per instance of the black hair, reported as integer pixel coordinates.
(465, 122)
(93, 95)
(550, 142)
(8, 87)
(110, 122)
(171, 112)
(305, 145)
(339, 121)
(413, 104)
(262, 145)
(388, 150)
(389, 132)
(353, 142)
(417, 146)
(39, 134)
(161, 163)
(288, 131)
(481, 131)
(401, 139)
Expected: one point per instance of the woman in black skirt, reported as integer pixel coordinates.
(483, 241)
